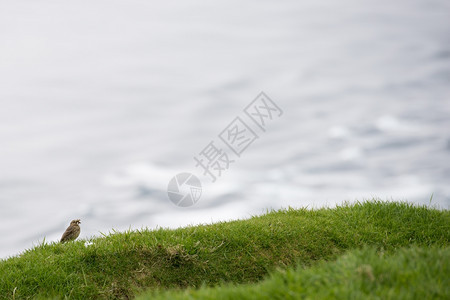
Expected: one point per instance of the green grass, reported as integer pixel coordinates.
(126, 264)
(415, 273)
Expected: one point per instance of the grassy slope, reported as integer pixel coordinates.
(124, 264)
(415, 273)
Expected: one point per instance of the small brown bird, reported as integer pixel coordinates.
(72, 232)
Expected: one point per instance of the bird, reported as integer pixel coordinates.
(72, 232)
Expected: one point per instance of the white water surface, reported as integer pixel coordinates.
(103, 102)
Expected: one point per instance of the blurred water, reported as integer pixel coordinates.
(101, 103)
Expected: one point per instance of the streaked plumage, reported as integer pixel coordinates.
(72, 232)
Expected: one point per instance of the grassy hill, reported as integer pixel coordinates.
(236, 257)
(411, 273)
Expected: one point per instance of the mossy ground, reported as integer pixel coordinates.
(123, 265)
